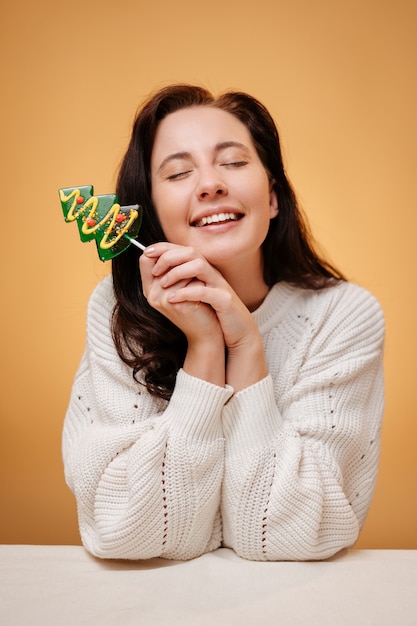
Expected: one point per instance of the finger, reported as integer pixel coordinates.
(198, 269)
(156, 249)
(158, 297)
(194, 291)
(172, 257)
(146, 265)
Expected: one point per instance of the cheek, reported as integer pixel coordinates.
(172, 204)
(170, 216)
(163, 206)
(257, 187)
(261, 199)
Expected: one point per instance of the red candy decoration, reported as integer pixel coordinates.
(91, 222)
(80, 199)
(120, 217)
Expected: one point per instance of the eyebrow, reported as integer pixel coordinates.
(222, 145)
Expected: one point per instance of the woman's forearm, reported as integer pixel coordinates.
(205, 359)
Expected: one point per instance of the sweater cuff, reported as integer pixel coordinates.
(251, 419)
(195, 408)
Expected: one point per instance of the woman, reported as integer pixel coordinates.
(231, 390)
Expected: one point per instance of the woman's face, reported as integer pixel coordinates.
(209, 186)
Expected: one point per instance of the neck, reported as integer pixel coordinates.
(248, 284)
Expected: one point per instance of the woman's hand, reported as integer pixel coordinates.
(205, 356)
(184, 287)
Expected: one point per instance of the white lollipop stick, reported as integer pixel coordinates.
(136, 243)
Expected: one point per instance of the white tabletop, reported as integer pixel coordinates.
(63, 585)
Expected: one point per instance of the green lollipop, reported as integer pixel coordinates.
(113, 227)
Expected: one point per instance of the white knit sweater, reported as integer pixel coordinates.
(282, 470)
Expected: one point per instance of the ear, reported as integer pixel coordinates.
(273, 201)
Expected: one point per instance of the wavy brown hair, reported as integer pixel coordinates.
(145, 339)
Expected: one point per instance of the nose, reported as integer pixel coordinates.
(210, 186)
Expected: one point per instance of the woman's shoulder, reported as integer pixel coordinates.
(346, 296)
(339, 305)
(346, 309)
(346, 293)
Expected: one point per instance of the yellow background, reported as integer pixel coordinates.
(340, 80)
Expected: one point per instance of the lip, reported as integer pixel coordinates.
(207, 213)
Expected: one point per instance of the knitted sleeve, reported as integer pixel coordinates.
(146, 474)
(302, 445)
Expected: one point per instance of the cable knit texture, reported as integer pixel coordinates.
(282, 470)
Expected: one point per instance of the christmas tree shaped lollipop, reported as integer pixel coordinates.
(113, 227)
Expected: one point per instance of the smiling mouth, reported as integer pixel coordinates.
(218, 218)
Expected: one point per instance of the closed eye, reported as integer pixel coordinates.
(178, 175)
(235, 164)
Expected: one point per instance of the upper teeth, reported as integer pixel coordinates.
(217, 217)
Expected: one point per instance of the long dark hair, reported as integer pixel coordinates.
(145, 339)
